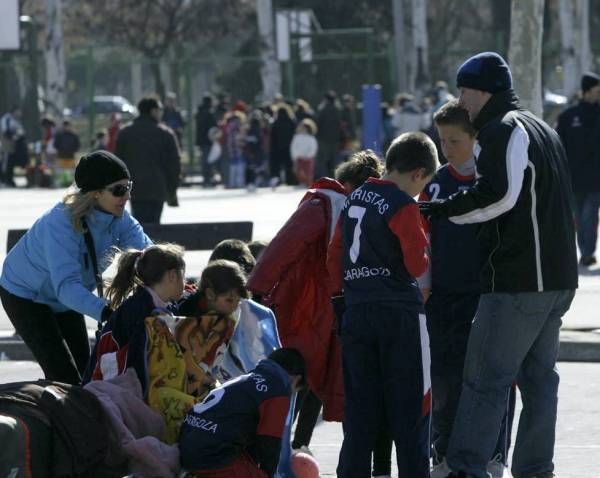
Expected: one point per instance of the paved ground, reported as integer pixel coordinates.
(577, 452)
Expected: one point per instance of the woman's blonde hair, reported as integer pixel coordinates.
(79, 204)
(145, 267)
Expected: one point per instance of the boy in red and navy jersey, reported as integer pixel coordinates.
(378, 249)
(236, 431)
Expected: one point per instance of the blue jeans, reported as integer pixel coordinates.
(586, 217)
(513, 336)
(449, 318)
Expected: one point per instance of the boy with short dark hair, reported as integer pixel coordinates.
(451, 286)
(378, 249)
(236, 431)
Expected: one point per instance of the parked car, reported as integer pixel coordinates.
(111, 104)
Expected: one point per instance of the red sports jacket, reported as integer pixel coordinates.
(291, 276)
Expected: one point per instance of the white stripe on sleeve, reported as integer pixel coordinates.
(516, 162)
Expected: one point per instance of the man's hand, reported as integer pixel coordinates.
(433, 209)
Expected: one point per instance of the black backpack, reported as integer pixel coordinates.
(65, 429)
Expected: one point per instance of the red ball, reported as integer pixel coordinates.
(304, 466)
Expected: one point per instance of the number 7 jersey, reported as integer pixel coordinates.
(379, 246)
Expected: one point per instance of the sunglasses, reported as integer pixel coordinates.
(119, 190)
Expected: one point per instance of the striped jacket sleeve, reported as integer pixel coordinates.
(501, 165)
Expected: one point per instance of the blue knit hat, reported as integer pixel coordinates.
(485, 71)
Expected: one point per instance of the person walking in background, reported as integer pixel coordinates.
(172, 116)
(234, 139)
(255, 151)
(329, 124)
(150, 151)
(282, 133)
(521, 200)
(49, 275)
(578, 129)
(205, 120)
(303, 150)
(66, 143)
(13, 146)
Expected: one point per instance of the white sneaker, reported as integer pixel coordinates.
(497, 469)
(441, 470)
(302, 449)
(382, 476)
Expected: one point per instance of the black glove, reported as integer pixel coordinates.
(433, 209)
(106, 313)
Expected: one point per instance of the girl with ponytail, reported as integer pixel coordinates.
(145, 284)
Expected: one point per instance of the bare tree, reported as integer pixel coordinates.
(419, 71)
(153, 27)
(575, 42)
(270, 69)
(400, 46)
(54, 55)
(525, 52)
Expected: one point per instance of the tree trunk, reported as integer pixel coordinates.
(400, 47)
(136, 82)
(575, 42)
(570, 69)
(270, 70)
(583, 24)
(55, 57)
(525, 52)
(420, 69)
(156, 71)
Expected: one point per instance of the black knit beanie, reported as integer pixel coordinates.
(99, 169)
(589, 80)
(485, 71)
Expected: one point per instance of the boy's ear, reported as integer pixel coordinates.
(210, 294)
(418, 174)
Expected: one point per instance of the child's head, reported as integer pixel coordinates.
(361, 166)
(223, 284)
(457, 134)
(410, 161)
(160, 267)
(307, 126)
(257, 247)
(293, 363)
(236, 251)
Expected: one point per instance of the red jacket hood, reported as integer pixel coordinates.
(329, 183)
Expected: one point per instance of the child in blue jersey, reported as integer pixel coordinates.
(378, 249)
(236, 431)
(451, 286)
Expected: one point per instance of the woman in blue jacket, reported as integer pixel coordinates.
(48, 276)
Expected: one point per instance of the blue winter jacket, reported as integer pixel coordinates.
(50, 264)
